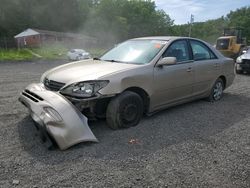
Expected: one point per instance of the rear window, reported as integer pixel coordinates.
(222, 44)
(201, 51)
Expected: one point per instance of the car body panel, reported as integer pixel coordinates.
(169, 85)
(65, 124)
(76, 72)
(246, 55)
(205, 72)
(227, 70)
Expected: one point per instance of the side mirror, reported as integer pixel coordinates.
(244, 51)
(167, 61)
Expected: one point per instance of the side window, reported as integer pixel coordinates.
(178, 49)
(201, 51)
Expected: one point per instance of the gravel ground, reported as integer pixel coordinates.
(199, 144)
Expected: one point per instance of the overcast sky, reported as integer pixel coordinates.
(180, 10)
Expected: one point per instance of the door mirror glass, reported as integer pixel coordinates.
(167, 61)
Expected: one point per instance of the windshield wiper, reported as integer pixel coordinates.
(117, 61)
(113, 61)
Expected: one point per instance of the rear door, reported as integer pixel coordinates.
(206, 67)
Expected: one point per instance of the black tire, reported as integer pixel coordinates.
(124, 111)
(216, 91)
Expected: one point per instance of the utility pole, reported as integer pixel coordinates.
(190, 24)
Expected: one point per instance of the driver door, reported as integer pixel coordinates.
(173, 83)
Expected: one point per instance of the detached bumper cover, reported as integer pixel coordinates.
(60, 118)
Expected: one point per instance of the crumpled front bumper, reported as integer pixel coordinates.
(55, 114)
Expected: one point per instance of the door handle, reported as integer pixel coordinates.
(189, 69)
(216, 64)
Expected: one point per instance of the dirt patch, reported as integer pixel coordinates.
(199, 144)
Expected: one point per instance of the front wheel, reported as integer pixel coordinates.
(217, 90)
(125, 110)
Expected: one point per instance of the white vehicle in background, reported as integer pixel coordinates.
(78, 54)
(243, 62)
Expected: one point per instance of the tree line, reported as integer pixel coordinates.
(108, 20)
(212, 29)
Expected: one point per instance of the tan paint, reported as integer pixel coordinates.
(166, 86)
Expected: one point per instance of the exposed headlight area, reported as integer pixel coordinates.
(84, 89)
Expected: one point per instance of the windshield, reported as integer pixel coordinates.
(134, 51)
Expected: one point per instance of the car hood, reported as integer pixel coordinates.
(85, 70)
(245, 56)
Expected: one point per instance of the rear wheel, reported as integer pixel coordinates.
(124, 110)
(217, 90)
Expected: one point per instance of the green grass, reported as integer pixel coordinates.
(96, 52)
(51, 51)
(60, 51)
(15, 55)
(47, 52)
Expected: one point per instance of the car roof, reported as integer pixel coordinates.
(166, 38)
(157, 38)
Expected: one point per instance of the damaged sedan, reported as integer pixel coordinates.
(139, 76)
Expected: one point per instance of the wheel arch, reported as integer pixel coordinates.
(143, 94)
(223, 78)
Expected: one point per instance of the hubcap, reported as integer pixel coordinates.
(129, 113)
(218, 89)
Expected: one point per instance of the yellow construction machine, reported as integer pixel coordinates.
(231, 43)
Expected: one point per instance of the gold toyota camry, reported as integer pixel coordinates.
(139, 76)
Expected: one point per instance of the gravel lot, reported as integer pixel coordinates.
(199, 144)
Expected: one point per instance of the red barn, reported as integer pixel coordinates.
(37, 37)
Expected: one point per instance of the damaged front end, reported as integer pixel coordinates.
(57, 116)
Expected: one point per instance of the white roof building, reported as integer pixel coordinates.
(27, 32)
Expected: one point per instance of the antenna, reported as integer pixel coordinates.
(190, 24)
